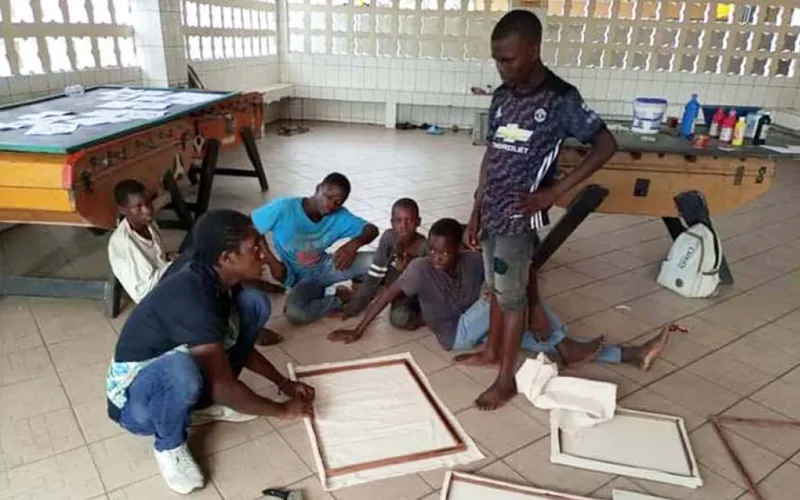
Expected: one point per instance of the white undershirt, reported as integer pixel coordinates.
(138, 263)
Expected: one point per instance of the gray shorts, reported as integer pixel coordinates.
(506, 263)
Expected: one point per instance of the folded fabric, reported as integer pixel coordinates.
(575, 403)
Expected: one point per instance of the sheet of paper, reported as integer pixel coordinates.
(152, 98)
(52, 129)
(115, 105)
(44, 115)
(91, 121)
(119, 94)
(189, 98)
(136, 114)
(14, 125)
(152, 106)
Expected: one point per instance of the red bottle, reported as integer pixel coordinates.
(726, 134)
(716, 123)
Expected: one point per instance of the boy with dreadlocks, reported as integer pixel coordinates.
(174, 364)
(531, 114)
(397, 247)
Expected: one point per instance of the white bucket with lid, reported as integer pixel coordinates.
(648, 113)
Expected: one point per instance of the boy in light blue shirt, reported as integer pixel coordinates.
(302, 231)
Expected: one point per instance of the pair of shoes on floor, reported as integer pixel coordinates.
(177, 466)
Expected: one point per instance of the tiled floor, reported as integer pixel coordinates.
(740, 358)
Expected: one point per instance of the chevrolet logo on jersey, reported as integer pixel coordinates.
(506, 136)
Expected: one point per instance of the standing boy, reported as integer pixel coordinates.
(397, 247)
(531, 114)
(302, 230)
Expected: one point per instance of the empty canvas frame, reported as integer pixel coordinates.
(379, 418)
(633, 443)
(460, 486)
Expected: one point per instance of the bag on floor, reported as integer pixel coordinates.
(691, 268)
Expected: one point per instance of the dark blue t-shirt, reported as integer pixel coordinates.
(526, 129)
(187, 307)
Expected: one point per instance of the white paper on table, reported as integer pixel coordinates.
(91, 121)
(151, 106)
(159, 97)
(14, 125)
(784, 150)
(52, 129)
(123, 94)
(44, 115)
(191, 98)
(575, 403)
(115, 105)
(136, 114)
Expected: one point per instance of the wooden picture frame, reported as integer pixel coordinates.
(357, 402)
(624, 445)
(461, 486)
(633, 495)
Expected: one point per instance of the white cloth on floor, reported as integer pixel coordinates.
(575, 403)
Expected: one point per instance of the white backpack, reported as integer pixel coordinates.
(691, 268)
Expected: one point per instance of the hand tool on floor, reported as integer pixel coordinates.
(283, 494)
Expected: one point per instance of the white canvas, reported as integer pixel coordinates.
(625, 445)
(460, 486)
(632, 495)
(378, 418)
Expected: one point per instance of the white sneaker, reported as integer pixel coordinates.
(219, 413)
(179, 469)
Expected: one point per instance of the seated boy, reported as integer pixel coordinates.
(171, 366)
(448, 283)
(397, 247)
(135, 250)
(303, 229)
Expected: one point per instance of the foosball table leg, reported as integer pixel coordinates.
(178, 203)
(207, 170)
(255, 158)
(113, 296)
(586, 202)
(693, 208)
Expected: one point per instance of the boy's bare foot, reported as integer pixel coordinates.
(574, 354)
(538, 323)
(269, 337)
(497, 395)
(480, 358)
(651, 350)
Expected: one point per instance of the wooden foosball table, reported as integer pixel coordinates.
(61, 156)
(668, 177)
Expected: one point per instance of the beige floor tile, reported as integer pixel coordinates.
(70, 475)
(722, 369)
(93, 419)
(533, 463)
(782, 483)
(602, 372)
(435, 495)
(695, 393)
(154, 488)
(435, 478)
(791, 321)
(397, 488)
(26, 364)
(781, 441)
(219, 436)
(314, 349)
(311, 488)
(31, 439)
(124, 459)
(618, 483)
(715, 487)
(297, 438)
(613, 324)
(501, 472)
(428, 361)
(381, 335)
(78, 353)
(86, 383)
(647, 399)
(558, 280)
(658, 370)
(781, 395)
(710, 452)
(456, 390)
(771, 349)
(241, 472)
(18, 330)
(503, 431)
(61, 320)
(574, 305)
(31, 398)
(753, 309)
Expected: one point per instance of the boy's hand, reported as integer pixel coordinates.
(345, 336)
(471, 233)
(299, 390)
(530, 203)
(296, 408)
(344, 257)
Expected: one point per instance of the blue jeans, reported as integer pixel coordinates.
(164, 393)
(306, 301)
(473, 328)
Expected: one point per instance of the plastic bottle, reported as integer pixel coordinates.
(726, 134)
(716, 123)
(690, 113)
(760, 136)
(738, 132)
